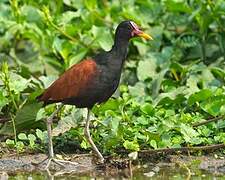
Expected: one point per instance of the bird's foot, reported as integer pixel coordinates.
(59, 162)
(101, 159)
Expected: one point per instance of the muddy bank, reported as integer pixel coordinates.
(27, 163)
(12, 164)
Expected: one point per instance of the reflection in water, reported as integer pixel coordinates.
(134, 173)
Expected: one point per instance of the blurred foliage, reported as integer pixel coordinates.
(167, 84)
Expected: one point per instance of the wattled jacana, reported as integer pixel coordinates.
(91, 81)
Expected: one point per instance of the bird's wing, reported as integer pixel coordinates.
(71, 83)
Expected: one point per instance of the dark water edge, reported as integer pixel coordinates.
(143, 172)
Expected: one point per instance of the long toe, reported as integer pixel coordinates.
(48, 161)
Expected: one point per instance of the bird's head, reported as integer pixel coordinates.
(129, 29)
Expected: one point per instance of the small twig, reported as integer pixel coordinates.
(183, 149)
(208, 121)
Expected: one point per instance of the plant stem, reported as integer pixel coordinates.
(49, 20)
(182, 149)
(14, 127)
(15, 10)
(208, 121)
(5, 79)
(175, 74)
(203, 48)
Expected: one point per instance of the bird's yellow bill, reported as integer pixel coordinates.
(144, 35)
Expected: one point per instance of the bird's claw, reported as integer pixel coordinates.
(56, 161)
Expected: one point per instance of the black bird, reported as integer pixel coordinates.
(91, 81)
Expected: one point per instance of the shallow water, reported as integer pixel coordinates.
(139, 173)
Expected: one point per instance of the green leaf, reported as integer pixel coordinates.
(111, 104)
(20, 146)
(40, 134)
(137, 90)
(68, 122)
(10, 142)
(22, 136)
(141, 121)
(172, 97)
(199, 96)
(142, 47)
(213, 105)
(47, 80)
(146, 69)
(153, 144)
(90, 4)
(69, 16)
(103, 37)
(115, 125)
(84, 144)
(175, 6)
(77, 57)
(3, 100)
(26, 116)
(25, 119)
(131, 145)
(188, 132)
(32, 138)
(148, 109)
(17, 83)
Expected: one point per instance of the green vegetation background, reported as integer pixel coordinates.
(167, 85)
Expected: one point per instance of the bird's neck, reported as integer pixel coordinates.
(120, 48)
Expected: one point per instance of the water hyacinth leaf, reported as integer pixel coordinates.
(74, 59)
(22, 136)
(188, 132)
(170, 97)
(146, 69)
(68, 122)
(176, 6)
(90, 4)
(142, 47)
(40, 134)
(47, 80)
(131, 145)
(141, 121)
(25, 119)
(213, 105)
(115, 125)
(69, 15)
(137, 90)
(18, 83)
(202, 95)
(3, 100)
(10, 142)
(64, 125)
(148, 109)
(103, 37)
(32, 138)
(218, 72)
(153, 144)
(111, 104)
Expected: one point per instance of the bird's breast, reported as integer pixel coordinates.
(106, 83)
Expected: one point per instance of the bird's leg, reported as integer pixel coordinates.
(89, 139)
(50, 157)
